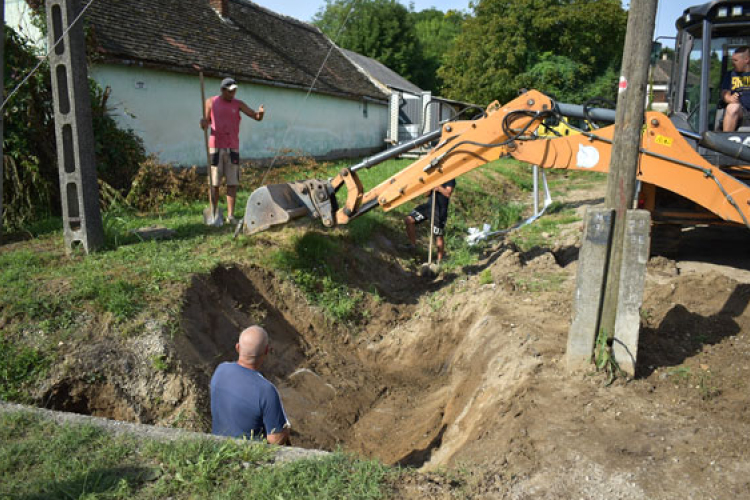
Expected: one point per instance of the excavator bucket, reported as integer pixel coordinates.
(277, 204)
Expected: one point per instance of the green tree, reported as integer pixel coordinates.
(437, 32)
(380, 29)
(566, 47)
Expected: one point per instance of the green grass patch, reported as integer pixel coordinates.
(19, 365)
(542, 282)
(544, 230)
(41, 459)
(310, 262)
(485, 277)
(520, 174)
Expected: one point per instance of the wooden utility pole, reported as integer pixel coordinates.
(2, 112)
(615, 244)
(623, 167)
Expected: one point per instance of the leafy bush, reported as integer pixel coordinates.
(119, 153)
(30, 175)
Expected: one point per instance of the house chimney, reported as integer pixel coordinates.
(220, 6)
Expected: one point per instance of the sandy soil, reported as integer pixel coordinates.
(460, 373)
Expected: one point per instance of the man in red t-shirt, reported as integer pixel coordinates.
(222, 113)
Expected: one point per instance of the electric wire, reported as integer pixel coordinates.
(42, 59)
(309, 91)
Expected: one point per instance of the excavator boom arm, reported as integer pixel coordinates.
(666, 160)
(463, 146)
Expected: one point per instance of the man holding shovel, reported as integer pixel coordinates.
(441, 198)
(222, 114)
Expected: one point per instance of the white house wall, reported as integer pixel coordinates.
(18, 17)
(164, 109)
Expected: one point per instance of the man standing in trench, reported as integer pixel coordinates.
(243, 402)
(424, 212)
(222, 114)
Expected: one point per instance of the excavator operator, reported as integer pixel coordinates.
(735, 90)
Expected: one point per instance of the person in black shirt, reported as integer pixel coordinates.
(424, 212)
(735, 90)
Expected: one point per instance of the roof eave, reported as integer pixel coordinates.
(109, 59)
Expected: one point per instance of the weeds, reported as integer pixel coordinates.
(160, 363)
(702, 381)
(544, 230)
(436, 302)
(485, 277)
(605, 361)
(541, 282)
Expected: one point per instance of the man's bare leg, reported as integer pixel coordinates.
(732, 117)
(214, 198)
(411, 230)
(231, 196)
(440, 242)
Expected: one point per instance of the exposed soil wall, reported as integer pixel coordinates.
(454, 372)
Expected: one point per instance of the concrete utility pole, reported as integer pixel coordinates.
(82, 218)
(609, 289)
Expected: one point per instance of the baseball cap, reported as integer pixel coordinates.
(228, 83)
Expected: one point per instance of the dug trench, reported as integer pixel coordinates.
(338, 388)
(468, 370)
(393, 386)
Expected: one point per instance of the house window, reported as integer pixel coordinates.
(364, 109)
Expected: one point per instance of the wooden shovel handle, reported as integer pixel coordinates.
(205, 139)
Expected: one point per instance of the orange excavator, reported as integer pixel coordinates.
(667, 161)
(690, 170)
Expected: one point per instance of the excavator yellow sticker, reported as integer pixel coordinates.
(664, 141)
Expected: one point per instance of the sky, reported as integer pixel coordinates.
(304, 10)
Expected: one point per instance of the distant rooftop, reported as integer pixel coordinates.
(381, 72)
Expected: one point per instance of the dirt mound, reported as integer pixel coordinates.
(128, 379)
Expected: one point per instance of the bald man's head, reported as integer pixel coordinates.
(253, 344)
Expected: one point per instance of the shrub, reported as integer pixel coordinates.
(156, 184)
(30, 176)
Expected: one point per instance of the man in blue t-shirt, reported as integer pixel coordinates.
(424, 212)
(735, 90)
(243, 402)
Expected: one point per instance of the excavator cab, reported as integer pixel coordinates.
(707, 36)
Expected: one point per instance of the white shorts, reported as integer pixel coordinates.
(225, 162)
